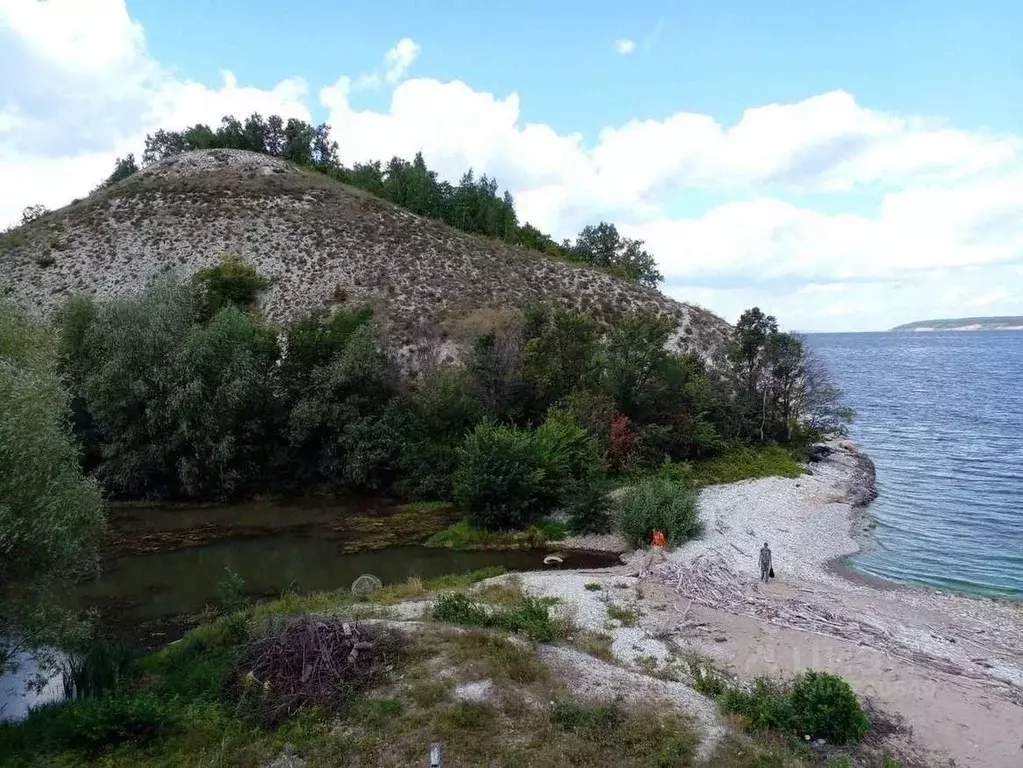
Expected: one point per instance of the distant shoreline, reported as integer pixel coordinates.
(1003, 323)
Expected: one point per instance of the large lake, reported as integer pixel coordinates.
(941, 414)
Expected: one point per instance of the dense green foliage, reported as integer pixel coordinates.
(658, 503)
(474, 205)
(184, 392)
(814, 704)
(51, 517)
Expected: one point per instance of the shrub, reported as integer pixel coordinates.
(499, 481)
(817, 704)
(766, 707)
(231, 591)
(824, 706)
(530, 617)
(89, 725)
(658, 504)
(232, 281)
(567, 457)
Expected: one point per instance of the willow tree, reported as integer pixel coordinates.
(51, 516)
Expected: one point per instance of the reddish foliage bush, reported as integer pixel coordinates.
(622, 442)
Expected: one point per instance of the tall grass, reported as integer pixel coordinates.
(97, 668)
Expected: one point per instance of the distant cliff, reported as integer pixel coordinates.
(965, 324)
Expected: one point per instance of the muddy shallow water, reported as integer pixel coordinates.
(162, 565)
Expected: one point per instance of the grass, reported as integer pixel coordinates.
(182, 709)
(462, 536)
(596, 644)
(530, 617)
(625, 616)
(592, 586)
(417, 588)
(744, 463)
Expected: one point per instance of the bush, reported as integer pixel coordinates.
(499, 480)
(658, 504)
(825, 707)
(232, 281)
(89, 725)
(530, 617)
(766, 707)
(566, 455)
(817, 704)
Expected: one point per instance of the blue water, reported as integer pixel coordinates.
(941, 414)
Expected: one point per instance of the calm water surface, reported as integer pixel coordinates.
(941, 414)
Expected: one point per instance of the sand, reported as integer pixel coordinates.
(948, 667)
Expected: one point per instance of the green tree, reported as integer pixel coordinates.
(348, 417)
(123, 168)
(126, 379)
(440, 412)
(559, 352)
(500, 482)
(222, 406)
(601, 246)
(51, 517)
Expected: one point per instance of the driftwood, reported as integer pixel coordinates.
(710, 582)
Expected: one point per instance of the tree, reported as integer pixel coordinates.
(51, 517)
(123, 168)
(161, 145)
(324, 149)
(126, 384)
(222, 406)
(32, 212)
(273, 136)
(298, 139)
(601, 246)
(347, 418)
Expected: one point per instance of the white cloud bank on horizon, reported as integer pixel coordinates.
(941, 229)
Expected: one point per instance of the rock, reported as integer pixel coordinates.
(481, 690)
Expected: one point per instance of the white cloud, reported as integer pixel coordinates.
(80, 88)
(936, 218)
(398, 60)
(625, 46)
(393, 67)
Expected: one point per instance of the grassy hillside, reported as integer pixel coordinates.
(322, 244)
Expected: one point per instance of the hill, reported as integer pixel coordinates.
(965, 324)
(322, 244)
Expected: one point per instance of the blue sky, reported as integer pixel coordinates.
(847, 166)
(958, 60)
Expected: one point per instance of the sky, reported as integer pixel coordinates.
(844, 166)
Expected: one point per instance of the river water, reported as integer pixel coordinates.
(150, 597)
(941, 415)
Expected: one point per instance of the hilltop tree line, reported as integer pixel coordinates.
(474, 205)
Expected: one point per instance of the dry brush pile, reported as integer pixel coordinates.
(312, 662)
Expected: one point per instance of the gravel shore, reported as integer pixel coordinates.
(948, 667)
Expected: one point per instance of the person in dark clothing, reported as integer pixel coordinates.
(766, 569)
